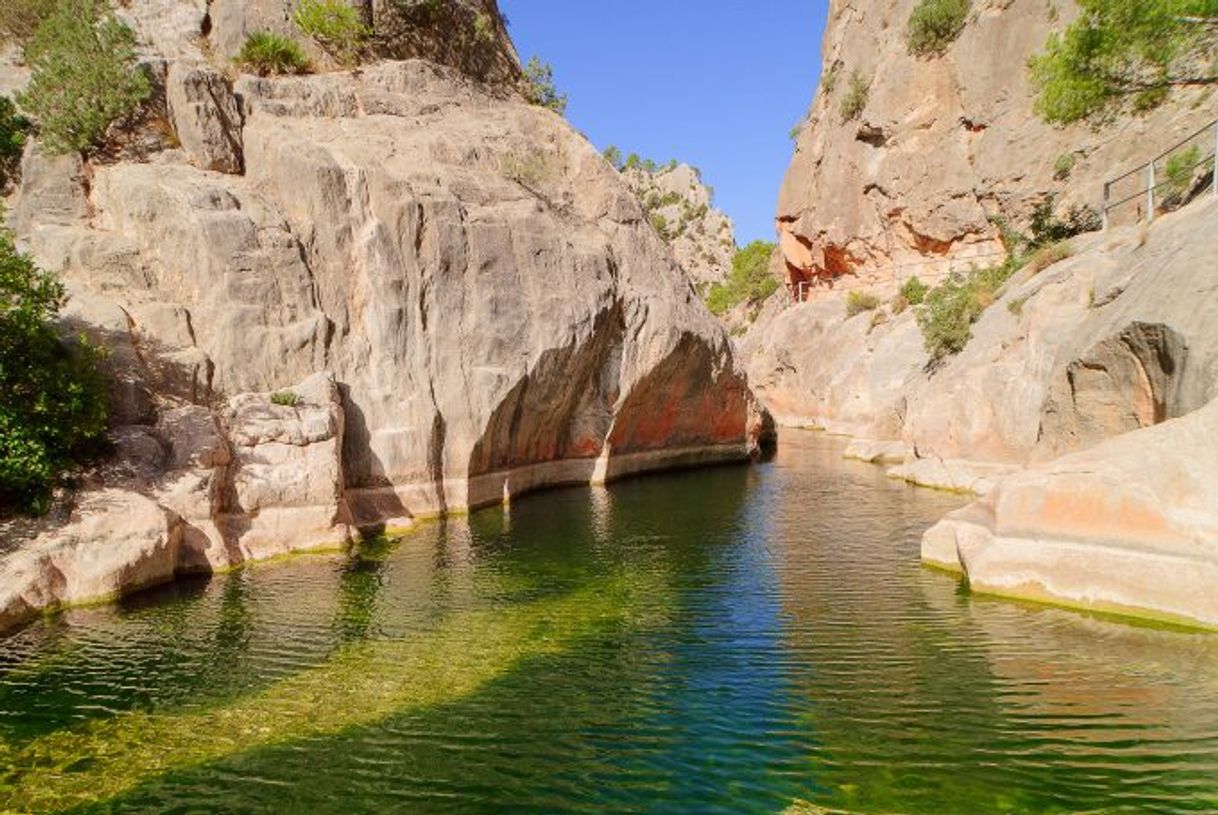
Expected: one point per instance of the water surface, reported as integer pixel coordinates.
(732, 640)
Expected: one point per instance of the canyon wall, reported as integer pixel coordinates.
(1105, 348)
(349, 300)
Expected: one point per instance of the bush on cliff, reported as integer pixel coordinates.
(1124, 51)
(914, 291)
(19, 19)
(537, 87)
(13, 128)
(857, 94)
(859, 301)
(950, 309)
(268, 54)
(935, 24)
(84, 76)
(336, 27)
(52, 398)
(750, 279)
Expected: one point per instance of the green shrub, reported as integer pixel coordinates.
(52, 398)
(614, 157)
(660, 224)
(484, 28)
(914, 291)
(268, 54)
(13, 129)
(859, 301)
(336, 27)
(855, 100)
(19, 19)
(950, 309)
(1047, 228)
(84, 76)
(1064, 166)
(934, 24)
(285, 399)
(749, 281)
(530, 170)
(537, 87)
(1178, 173)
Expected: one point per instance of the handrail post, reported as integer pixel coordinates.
(1216, 159)
(1107, 198)
(1150, 193)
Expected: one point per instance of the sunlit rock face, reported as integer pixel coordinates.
(464, 298)
(1128, 526)
(941, 146)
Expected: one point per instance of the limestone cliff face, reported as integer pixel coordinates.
(681, 207)
(350, 300)
(940, 146)
(1081, 402)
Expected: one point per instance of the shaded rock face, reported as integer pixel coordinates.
(702, 237)
(1129, 526)
(465, 299)
(942, 145)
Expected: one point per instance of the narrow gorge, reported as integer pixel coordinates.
(376, 435)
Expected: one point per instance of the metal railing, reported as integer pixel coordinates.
(1179, 181)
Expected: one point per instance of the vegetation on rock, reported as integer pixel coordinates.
(336, 27)
(285, 399)
(13, 129)
(19, 19)
(914, 291)
(1124, 51)
(269, 54)
(859, 301)
(537, 86)
(855, 100)
(84, 76)
(750, 280)
(52, 398)
(950, 309)
(935, 24)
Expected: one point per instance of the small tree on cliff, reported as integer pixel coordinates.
(537, 86)
(84, 77)
(52, 398)
(1121, 51)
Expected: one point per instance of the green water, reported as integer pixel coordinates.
(732, 640)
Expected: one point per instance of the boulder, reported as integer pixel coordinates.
(116, 542)
(205, 115)
(1129, 526)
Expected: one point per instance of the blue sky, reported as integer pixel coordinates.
(717, 83)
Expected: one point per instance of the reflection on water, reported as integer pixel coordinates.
(731, 640)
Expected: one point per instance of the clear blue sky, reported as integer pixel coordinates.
(718, 84)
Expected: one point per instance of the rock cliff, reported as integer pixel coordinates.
(906, 161)
(681, 207)
(349, 300)
(1073, 368)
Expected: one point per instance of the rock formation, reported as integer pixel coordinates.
(349, 300)
(941, 146)
(681, 207)
(1072, 371)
